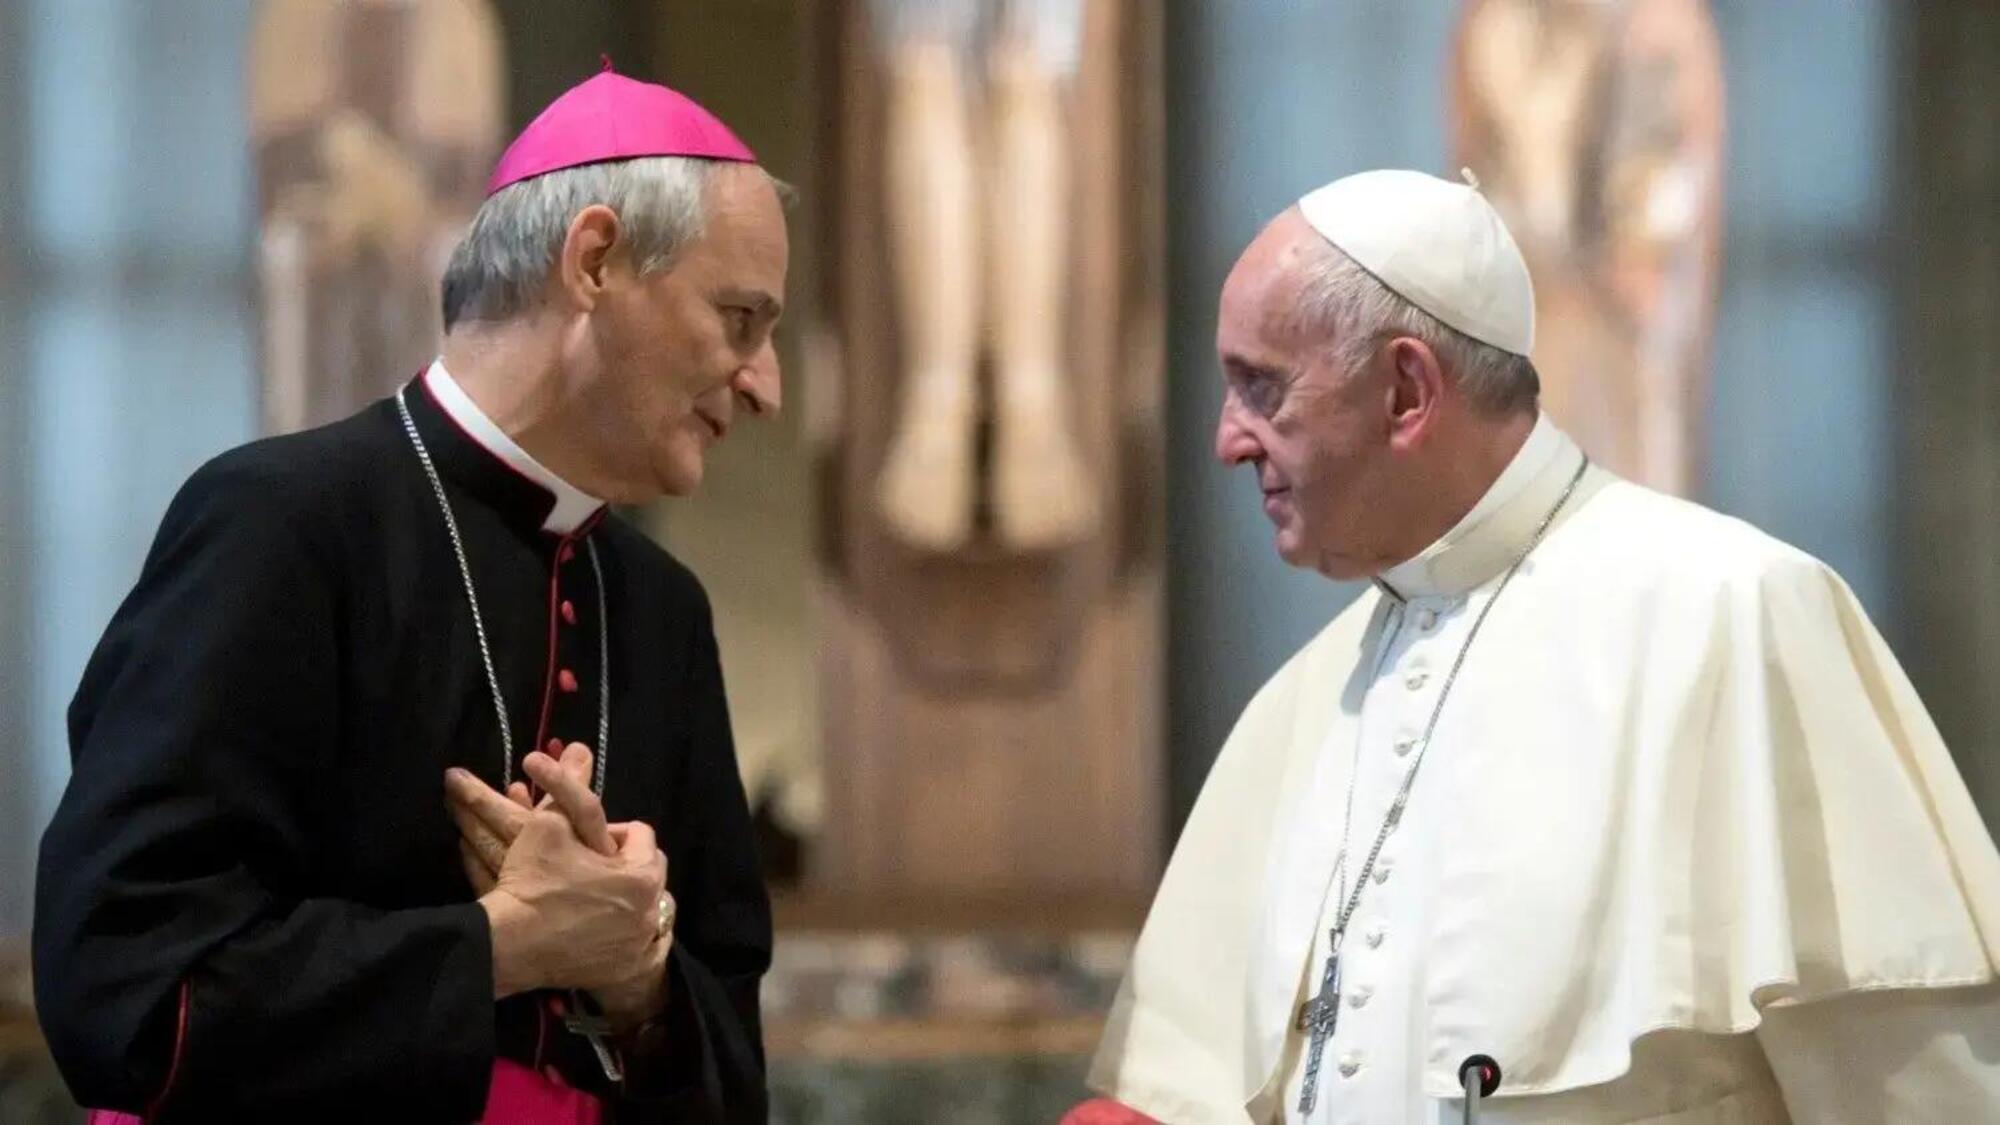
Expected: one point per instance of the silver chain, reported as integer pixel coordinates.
(1353, 898)
(602, 751)
(603, 748)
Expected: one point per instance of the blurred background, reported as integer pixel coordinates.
(972, 718)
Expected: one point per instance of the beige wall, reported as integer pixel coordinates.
(749, 534)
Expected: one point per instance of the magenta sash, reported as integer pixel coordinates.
(517, 1096)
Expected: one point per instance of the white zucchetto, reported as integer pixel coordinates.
(1439, 245)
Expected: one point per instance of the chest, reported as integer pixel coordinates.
(566, 644)
(1530, 771)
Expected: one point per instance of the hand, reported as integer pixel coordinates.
(574, 905)
(639, 990)
(488, 822)
(488, 825)
(642, 993)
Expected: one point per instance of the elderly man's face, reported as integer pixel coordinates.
(1316, 437)
(687, 351)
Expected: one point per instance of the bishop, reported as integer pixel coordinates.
(403, 785)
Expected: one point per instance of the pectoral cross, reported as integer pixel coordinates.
(1318, 1016)
(583, 1018)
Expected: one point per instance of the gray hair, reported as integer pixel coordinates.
(1339, 297)
(499, 269)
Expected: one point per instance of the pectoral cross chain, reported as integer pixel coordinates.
(1318, 1016)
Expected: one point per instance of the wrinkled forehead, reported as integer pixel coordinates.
(1261, 297)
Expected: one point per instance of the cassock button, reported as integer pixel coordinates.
(566, 680)
(1350, 1065)
(1404, 745)
(554, 749)
(568, 553)
(569, 612)
(1416, 679)
(1381, 872)
(1358, 998)
(1427, 620)
(1375, 935)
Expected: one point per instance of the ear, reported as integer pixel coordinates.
(1416, 391)
(594, 238)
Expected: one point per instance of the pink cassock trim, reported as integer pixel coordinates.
(120, 1117)
(180, 1048)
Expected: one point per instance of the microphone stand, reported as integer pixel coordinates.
(1479, 1075)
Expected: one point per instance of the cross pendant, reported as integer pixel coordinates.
(583, 1019)
(1319, 1015)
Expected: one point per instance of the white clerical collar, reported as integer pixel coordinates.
(572, 505)
(1498, 527)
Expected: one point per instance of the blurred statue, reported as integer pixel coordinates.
(1595, 126)
(978, 193)
(374, 123)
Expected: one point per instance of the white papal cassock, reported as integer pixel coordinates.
(1685, 847)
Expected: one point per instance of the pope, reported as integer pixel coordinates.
(1621, 793)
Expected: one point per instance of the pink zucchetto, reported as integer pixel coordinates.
(612, 117)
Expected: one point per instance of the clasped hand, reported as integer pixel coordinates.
(574, 901)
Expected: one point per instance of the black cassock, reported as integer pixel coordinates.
(250, 902)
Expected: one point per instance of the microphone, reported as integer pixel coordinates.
(1479, 1076)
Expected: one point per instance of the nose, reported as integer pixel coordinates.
(758, 385)
(1234, 443)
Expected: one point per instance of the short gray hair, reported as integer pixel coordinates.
(499, 269)
(1338, 297)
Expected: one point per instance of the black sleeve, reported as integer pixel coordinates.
(179, 965)
(703, 1058)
